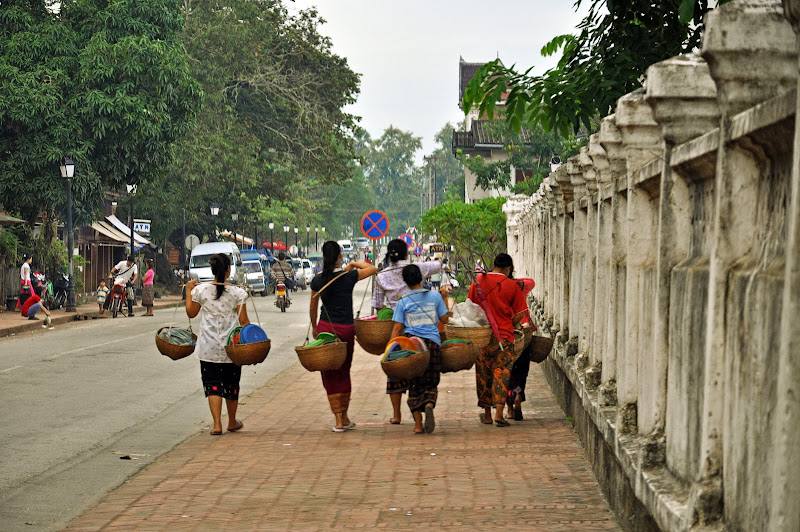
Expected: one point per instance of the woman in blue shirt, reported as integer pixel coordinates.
(417, 314)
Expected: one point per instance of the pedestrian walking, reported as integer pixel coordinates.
(148, 290)
(389, 288)
(221, 308)
(102, 293)
(503, 298)
(418, 313)
(25, 287)
(336, 316)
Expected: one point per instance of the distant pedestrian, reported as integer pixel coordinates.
(221, 308)
(336, 317)
(389, 288)
(125, 273)
(147, 288)
(506, 303)
(25, 287)
(33, 305)
(418, 313)
(102, 294)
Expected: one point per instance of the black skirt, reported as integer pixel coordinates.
(221, 378)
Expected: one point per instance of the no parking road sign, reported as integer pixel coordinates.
(408, 239)
(418, 250)
(375, 225)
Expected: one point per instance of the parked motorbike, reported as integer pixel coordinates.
(281, 301)
(117, 295)
(58, 290)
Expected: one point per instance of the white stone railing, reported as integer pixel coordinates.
(667, 262)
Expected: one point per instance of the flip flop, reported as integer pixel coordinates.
(485, 420)
(394, 421)
(239, 426)
(216, 433)
(430, 421)
(350, 426)
(419, 433)
(517, 414)
(334, 429)
(502, 423)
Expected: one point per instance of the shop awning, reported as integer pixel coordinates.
(7, 219)
(138, 239)
(109, 231)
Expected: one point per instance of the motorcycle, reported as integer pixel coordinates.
(58, 290)
(117, 295)
(281, 301)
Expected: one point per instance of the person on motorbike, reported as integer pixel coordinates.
(124, 273)
(283, 272)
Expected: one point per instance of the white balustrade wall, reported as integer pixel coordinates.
(667, 264)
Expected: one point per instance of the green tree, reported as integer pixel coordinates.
(390, 172)
(616, 43)
(442, 166)
(476, 231)
(105, 81)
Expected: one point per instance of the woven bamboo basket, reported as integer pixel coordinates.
(175, 352)
(458, 357)
(325, 357)
(479, 336)
(542, 345)
(527, 332)
(373, 335)
(245, 354)
(519, 343)
(409, 367)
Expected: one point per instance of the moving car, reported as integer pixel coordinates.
(198, 263)
(256, 279)
(299, 273)
(308, 269)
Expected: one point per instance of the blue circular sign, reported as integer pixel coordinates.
(418, 250)
(375, 225)
(408, 239)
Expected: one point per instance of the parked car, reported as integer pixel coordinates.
(308, 269)
(299, 273)
(198, 263)
(256, 279)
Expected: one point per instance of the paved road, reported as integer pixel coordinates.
(79, 398)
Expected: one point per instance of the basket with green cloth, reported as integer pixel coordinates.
(457, 355)
(175, 343)
(373, 332)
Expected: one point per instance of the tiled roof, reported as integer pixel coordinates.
(465, 73)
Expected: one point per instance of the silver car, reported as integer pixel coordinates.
(299, 273)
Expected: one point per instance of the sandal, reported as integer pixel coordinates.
(238, 426)
(502, 423)
(216, 433)
(486, 420)
(394, 421)
(430, 421)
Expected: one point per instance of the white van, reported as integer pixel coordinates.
(347, 247)
(200, 270)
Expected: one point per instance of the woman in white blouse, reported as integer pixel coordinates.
(221, 308)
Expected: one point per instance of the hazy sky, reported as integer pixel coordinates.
(407, 51)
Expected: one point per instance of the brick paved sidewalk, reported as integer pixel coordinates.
(286, 470)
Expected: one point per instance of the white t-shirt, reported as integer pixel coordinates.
(217, 318)
(25, 272)
(125, 272)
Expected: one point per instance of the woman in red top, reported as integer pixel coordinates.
(147, 288)
(506, 302)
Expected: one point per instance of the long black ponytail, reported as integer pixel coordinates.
(219, 263)
(330, 256)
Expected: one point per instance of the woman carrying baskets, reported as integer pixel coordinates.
(417, 314)
(334, 286)
(389, 288)
(221, 308)
(505, 300)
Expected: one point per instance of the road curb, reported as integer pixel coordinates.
(78, 316)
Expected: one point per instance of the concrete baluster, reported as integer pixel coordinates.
(588, 207)
(751, 52)
(617, 242)
(641, 140)
(683, 98)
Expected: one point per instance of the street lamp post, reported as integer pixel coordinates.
(295, 239)
(286, 240)
(308, 234)
(132, 192)
(271, 240)
(67, 171)
(235, 218)
(214, 213)
(316, 238)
